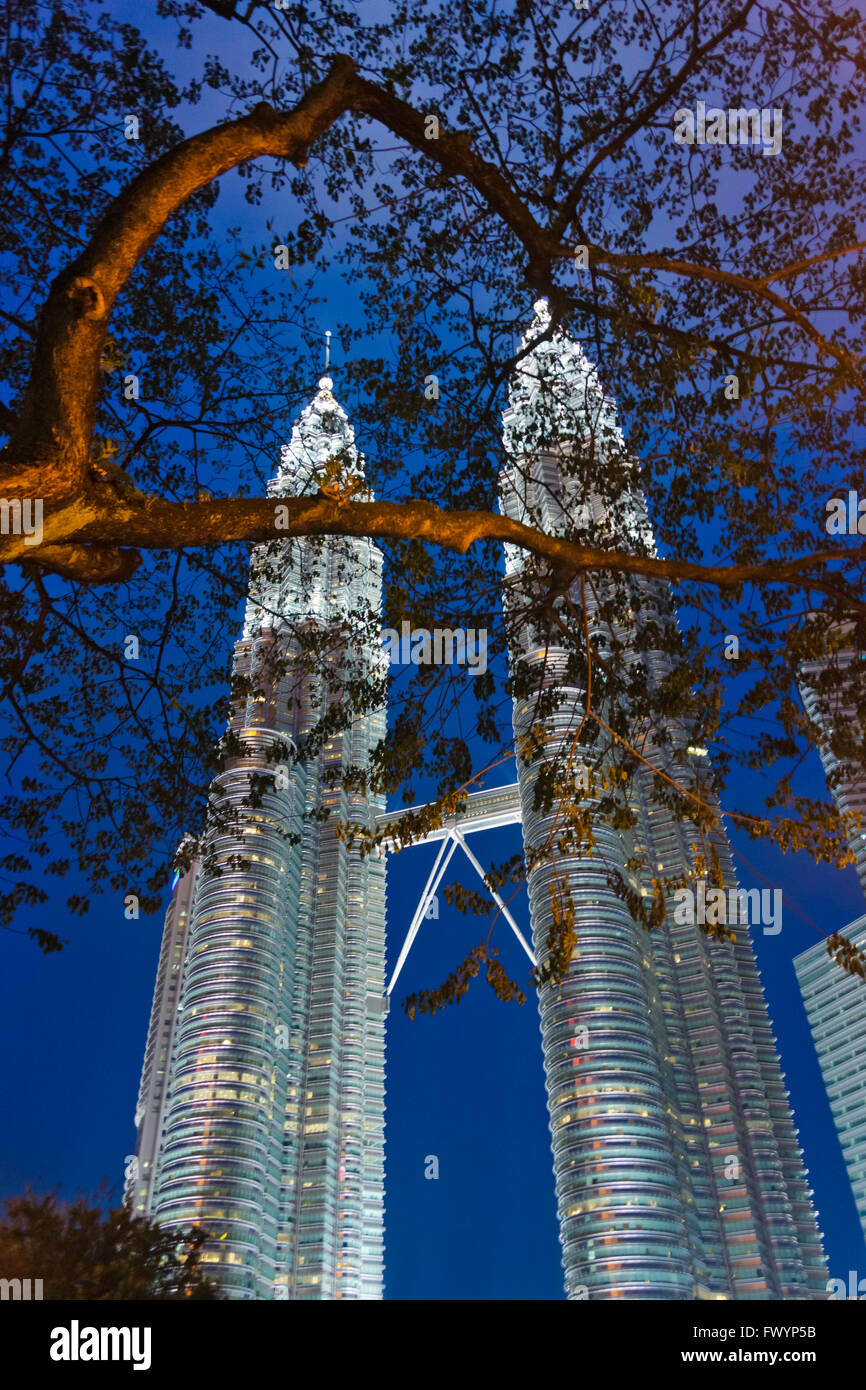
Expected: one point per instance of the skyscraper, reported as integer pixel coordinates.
(836, 1007)
(261, 1110)
(830, 702)
(150, 1111)
(678, 1173)
(835, 1002)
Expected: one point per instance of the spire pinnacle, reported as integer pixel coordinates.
(542, 313)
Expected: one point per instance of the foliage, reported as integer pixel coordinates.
(555, 131)
(81, 1252)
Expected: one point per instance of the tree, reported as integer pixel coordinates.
(536, 149)
(81, 1252)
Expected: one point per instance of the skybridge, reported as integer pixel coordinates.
(484, 810)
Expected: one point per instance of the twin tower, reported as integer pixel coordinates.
(261, 1111)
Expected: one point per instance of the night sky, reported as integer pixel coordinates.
(466, 1086)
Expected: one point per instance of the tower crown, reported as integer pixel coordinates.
(560, 417)
(321, 436)
(555, 392)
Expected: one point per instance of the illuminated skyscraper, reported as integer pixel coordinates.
(678, 1172)
(261, 1110)
(830, 703)
(835, 1001)
(836, 1006)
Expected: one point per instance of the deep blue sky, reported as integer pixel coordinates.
(467, 1086)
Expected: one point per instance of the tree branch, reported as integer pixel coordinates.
(48, 451)
(47, 455)
(94, 550)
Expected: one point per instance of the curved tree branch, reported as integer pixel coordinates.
(47, 454)
(97, 546)
(91, 535)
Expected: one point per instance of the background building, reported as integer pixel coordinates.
(836, 1006)
(150, 1111)
(832, 708)
(835, 1001)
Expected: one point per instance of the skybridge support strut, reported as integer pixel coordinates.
(486, 810)
(496, 898)
(443, 858)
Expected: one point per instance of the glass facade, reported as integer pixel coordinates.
(834, 713)
(264, 1120)
(836, 1007)
(835, 1001)
(678, 1172)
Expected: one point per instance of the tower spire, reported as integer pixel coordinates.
(327, 349)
